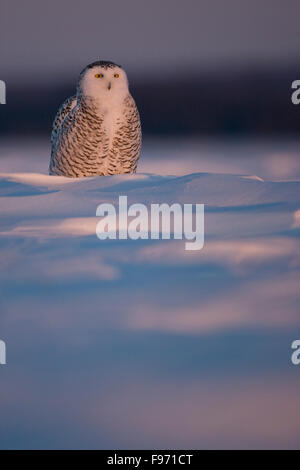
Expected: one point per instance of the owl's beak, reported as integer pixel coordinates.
(109, 85)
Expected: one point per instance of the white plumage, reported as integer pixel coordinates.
(98, 130)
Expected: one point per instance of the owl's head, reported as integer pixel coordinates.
(103, 79)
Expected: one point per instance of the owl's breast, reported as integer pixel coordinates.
(122, 136)
(113, 119)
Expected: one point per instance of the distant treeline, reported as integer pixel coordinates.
(249, 101)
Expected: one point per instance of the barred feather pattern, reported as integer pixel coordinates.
(63, 111)
(83, 144)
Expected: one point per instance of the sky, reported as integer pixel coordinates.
(52, 41)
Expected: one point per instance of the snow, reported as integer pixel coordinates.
(106, 336)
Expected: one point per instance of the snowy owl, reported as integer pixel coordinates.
(98, 130)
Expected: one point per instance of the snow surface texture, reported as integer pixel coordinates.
(141, 344)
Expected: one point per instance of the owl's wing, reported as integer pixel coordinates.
(62, 113)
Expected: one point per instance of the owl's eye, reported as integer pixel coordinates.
(116, 75)
(99, 75)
